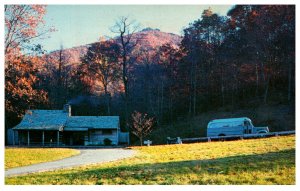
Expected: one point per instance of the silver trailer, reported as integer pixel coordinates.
(233, 126)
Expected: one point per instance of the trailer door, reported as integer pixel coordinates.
(247, 127)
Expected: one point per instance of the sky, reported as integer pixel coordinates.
(82, 24)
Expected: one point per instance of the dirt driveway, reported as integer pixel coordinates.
(86, 156)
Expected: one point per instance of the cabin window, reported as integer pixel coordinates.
(107, 132)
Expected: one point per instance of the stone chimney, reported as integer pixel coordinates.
(67, 109)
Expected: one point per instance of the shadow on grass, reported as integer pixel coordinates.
(243, 169)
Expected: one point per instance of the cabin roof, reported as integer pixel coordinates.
(93, 122)
(43, 120)
(59, 120)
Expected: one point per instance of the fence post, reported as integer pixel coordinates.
(178, 140)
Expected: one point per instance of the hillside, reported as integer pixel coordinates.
(276, 117)
(149, 39)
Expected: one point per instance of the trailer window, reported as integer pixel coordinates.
(247, 123)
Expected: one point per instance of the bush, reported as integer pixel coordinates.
(107, 141)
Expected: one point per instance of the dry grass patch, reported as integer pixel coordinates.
(16, 157)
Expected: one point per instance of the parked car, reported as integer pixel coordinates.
(233, 126)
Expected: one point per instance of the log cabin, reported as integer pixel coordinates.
(60, 128)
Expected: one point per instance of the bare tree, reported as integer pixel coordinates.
(59, 76)
(142, 125)
(125, 29)
(61, 64)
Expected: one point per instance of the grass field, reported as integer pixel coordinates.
(257, 161)
(16, 157)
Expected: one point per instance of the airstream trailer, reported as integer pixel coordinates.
(233, 126)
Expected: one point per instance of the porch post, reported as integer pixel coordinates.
(28, 138)
(13, 132)
(43, 138)
(20, 136)
(71, 139)
(57, 138)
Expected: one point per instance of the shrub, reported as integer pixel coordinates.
(107, 141)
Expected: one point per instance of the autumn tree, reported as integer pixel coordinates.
(20, 85)
(125, 29)
(147, 88)
(82, 83)
(142, 125)
(102, 62)
(21, 24)
(21, 90)
(170, 56)
(264, 27)
(200, 43)
(56, 75)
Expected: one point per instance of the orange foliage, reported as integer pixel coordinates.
(21, 23)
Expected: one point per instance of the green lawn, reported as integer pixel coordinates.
(257, 161)
(16, 157)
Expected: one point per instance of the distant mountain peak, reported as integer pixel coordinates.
(150, 39)
(149, 29)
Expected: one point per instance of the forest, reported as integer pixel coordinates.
(245, 59)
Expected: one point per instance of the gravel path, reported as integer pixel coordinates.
(86, 156)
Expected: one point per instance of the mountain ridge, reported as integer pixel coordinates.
(151, 39)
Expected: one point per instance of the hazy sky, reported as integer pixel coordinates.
(82, 24)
